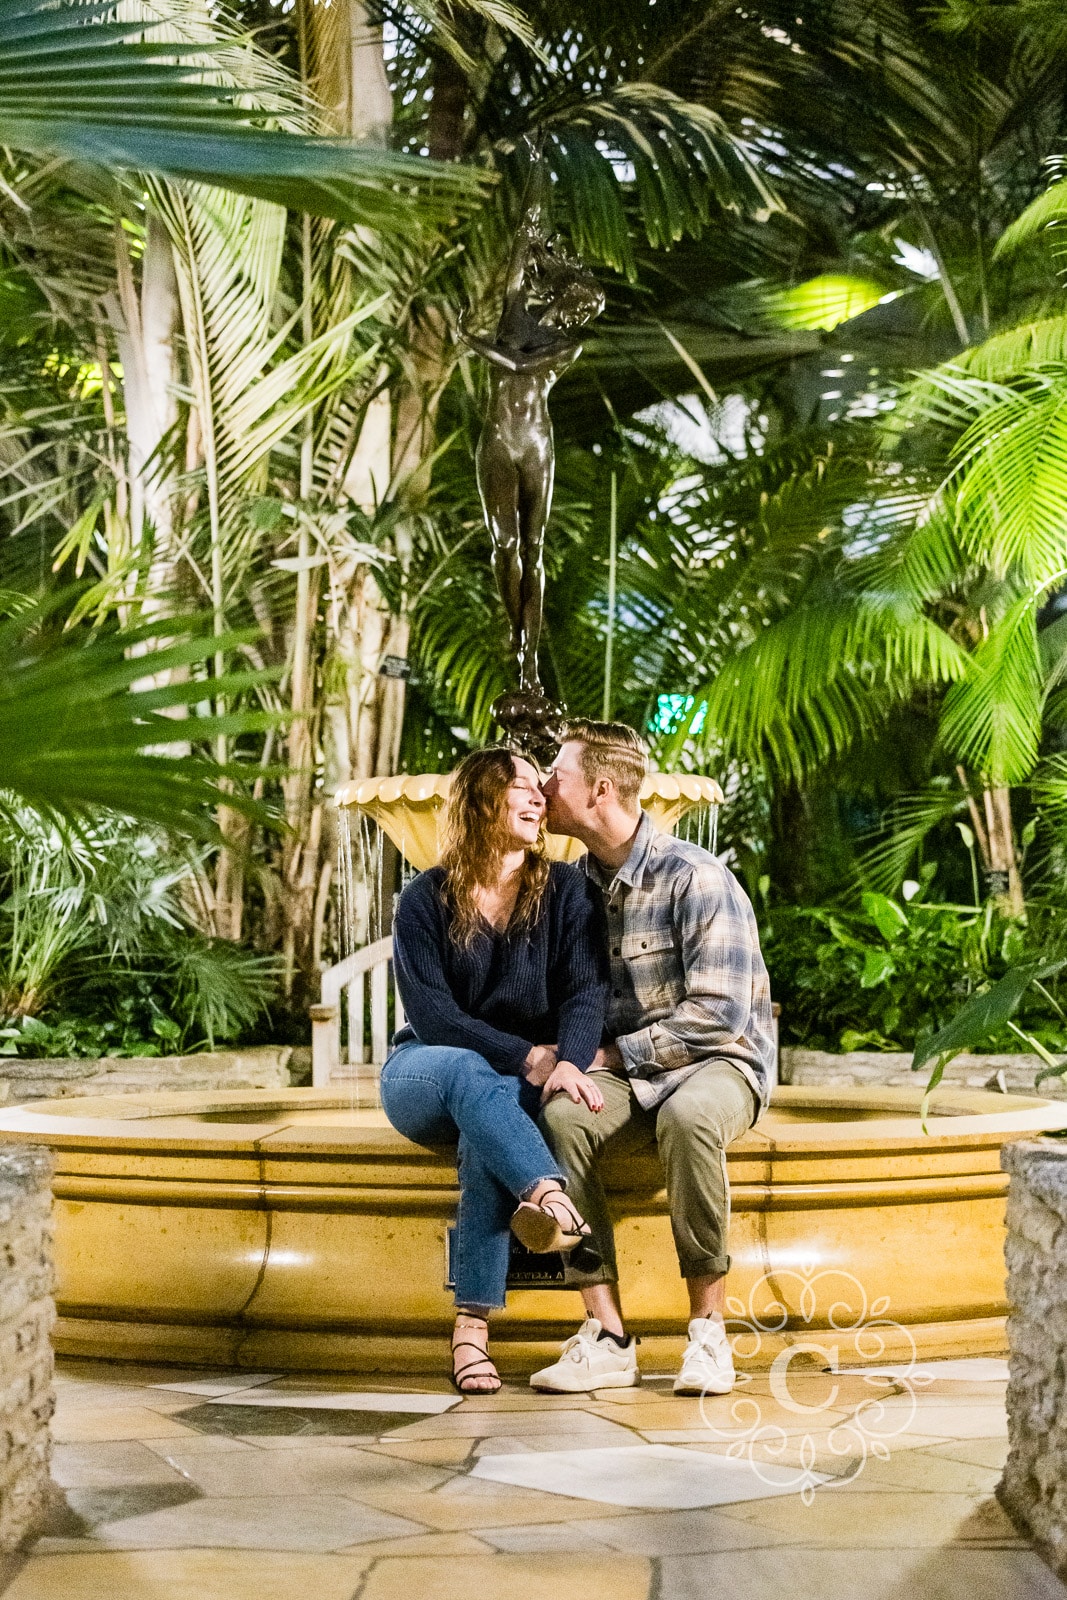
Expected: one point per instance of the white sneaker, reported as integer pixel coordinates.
(708, 1363)
(588, 1362)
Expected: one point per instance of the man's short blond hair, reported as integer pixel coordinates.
(612, 750)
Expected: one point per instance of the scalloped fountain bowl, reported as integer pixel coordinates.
(291, 1230)
(410, 808)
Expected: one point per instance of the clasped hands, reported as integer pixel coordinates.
(547, 1072)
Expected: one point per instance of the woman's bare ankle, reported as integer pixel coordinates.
(540, 1190)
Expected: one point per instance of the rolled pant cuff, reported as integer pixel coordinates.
(705, 1267)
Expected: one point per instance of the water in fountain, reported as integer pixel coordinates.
(701, 827)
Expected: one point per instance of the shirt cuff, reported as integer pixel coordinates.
(651, 1050)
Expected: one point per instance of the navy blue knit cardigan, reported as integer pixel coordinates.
(544, 985)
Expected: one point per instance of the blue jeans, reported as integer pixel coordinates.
(436, 1095)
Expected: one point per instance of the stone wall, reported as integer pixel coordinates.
(1011, 1074)
(26, 1315)
(1033, 1489)
(265, 1067)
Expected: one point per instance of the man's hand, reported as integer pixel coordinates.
(568, 1080)
(608, 1059)
(540, 1063)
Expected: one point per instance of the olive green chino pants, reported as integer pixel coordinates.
(691, 1129)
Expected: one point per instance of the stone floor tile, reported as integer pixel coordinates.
(677, 1533)
(426, 1544)
(226, 1383)
(78, 1513)
(983, 1392)
(991, 1453)
(860, 1574)
(187, 1575)
(382, 1404)
(963, 1419)
(305, 1441)
(643, 1394)
(305, 1472)
(466, 1424)
(310, 1522)
(874, 1519)
(191, 1444)
(89, 1396)
(138, 1372)
(910, 1470)
(109, 1465)
(723, 1416)
(468, 1503)
(510, 1577)
(120, 1422)
(502, 1444)
(535, 1537)
(651, 1477)
(234, 1416)
(510, 1398)
(968, 1369)
(368, 1383)
(434, 1452)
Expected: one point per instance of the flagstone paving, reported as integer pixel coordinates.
(199, 1485)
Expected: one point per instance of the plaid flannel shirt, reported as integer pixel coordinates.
(688, 982)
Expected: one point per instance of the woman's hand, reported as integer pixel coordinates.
(567, 1079)
(540, 1064)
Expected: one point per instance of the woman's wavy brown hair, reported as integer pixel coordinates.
(477, 840)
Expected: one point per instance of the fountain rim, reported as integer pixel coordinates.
(961, 1118)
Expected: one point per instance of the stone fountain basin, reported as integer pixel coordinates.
(292, 1230)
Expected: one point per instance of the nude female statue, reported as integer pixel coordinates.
(546, 299)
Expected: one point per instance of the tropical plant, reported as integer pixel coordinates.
(887, 976)
(99, 954)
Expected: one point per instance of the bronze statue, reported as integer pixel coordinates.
(547, 298)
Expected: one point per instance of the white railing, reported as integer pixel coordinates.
(345, 992)
(346, 985)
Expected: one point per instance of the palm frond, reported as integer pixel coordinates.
(809, 685)
(1011, 482)
(78, 728)
(992, 717)
(681, 161)
(908, 821)
(79, 84)
(1049, 210)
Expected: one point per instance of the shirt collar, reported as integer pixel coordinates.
(632, 869)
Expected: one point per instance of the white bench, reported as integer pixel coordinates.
(345, 994)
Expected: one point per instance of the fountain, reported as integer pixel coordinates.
(296, 1230)
(288, 1231)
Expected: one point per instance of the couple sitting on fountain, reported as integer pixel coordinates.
(558, 1015)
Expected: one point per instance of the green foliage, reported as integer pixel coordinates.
(97, 953)
(984, 1016)
(890, 976)
(82, 724)
(78, 83)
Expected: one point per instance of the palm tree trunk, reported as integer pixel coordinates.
(145, 329)
(994, 830)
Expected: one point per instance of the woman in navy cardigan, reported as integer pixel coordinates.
(498, 960)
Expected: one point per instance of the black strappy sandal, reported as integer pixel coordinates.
(469, 1369)
(552, 1224)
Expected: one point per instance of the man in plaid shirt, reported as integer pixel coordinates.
(688, 1068)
